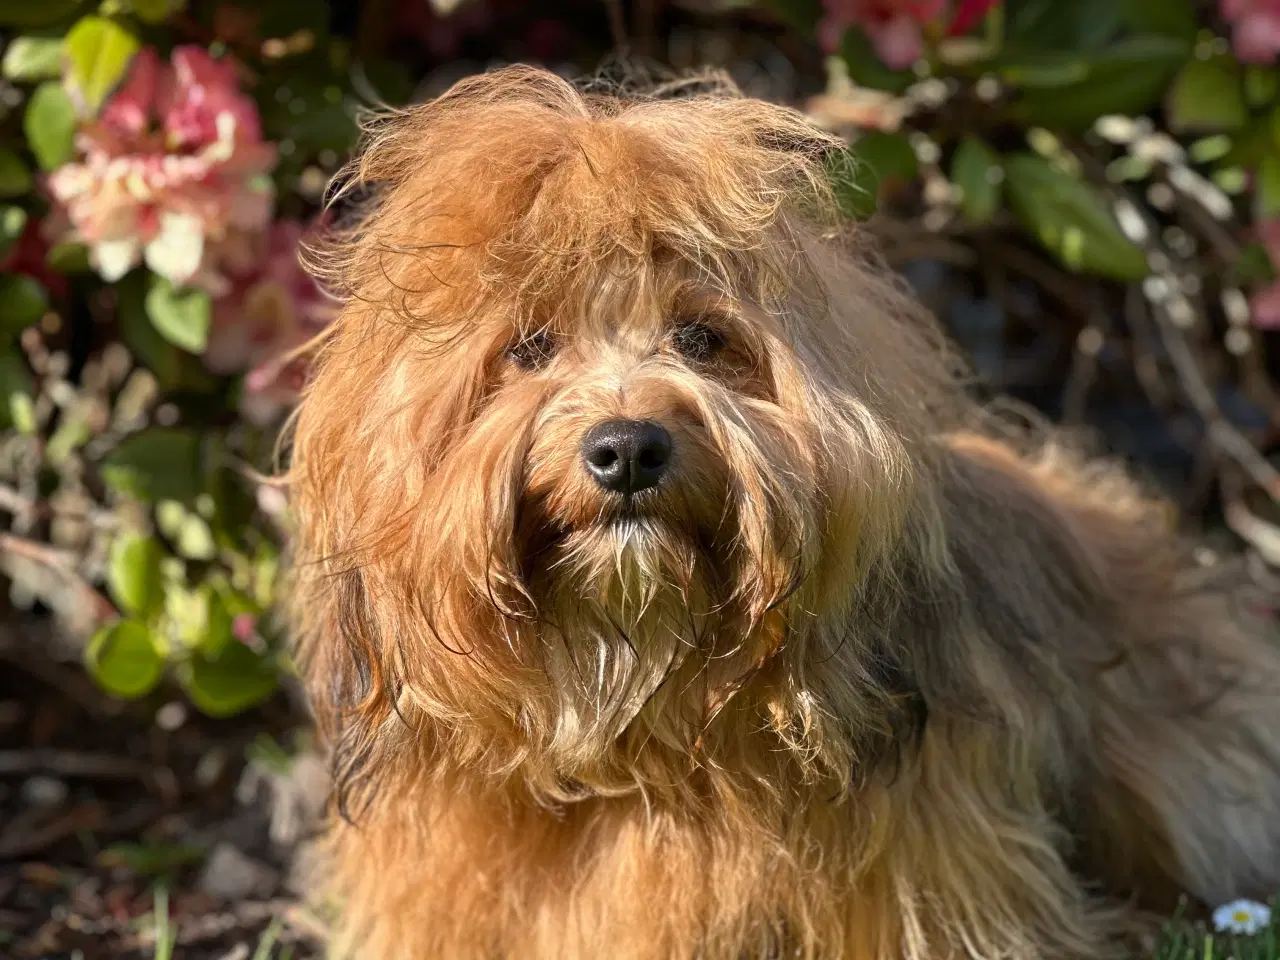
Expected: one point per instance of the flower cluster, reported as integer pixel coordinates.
(273, 307)
(174, 173)
(896, 27)
(1255, 28)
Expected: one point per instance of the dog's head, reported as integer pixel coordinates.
(610, 419)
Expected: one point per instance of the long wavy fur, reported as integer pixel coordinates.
(856, 680)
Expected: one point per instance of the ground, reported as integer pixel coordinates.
(139, 831)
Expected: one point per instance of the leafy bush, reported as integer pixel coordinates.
(161, 163)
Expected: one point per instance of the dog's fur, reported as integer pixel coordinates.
(855, 680)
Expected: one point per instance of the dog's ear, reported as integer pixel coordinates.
(351, 692)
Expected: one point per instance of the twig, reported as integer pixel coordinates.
(1146, 366)
(63, 563)
(1063, 287)
(1090, 342)
(1229, 250)
(899, 246)
(1219, 431)
(70, 763)
(11, 501)
(1227, 247)
(86, 816)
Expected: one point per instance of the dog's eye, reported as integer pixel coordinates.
(534, 351)
(697, 341)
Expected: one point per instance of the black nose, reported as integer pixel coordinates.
(627, 456)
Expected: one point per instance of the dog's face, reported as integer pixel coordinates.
(602, 429)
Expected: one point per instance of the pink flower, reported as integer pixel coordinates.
(1255, 28)
(206, 92)
(173, 172)
(895, 26)
(272, 307)
(244, 627)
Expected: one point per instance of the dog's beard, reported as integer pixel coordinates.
(624, 609)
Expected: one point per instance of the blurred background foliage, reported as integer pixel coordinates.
(1087, 192)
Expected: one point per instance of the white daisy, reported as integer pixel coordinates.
(1241, 916)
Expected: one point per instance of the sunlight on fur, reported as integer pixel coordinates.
(661, 596)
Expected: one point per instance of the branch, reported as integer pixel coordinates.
(63, 564)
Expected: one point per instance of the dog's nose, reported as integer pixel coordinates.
(627, 456)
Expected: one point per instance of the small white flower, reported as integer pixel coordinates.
(115, 258)
(176, 250)
(1241, 916)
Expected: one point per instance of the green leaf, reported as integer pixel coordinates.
(1260, 85)
(187, 611)
(133, 574)
(1267, 188)
(194, 539)
(72, 434)
(1166, 18)
(173, 368)
(23, 301)
(314, 116)
(99, 51)
(28, 59)
(1254, 268)
(801, 15)
(229, 683)
(141, 337)
(154, 11)
(1081, 25)
(219, 626)
(13, 220)
(170, 515)
(154, 858)
(866, 69)
(201, 619)
(36, 13)
(975, 169)
(391, 81)
(858, 174)
(1070, 219)
(1071, 90)
(1207, 96)
(283, 18)
(266, 571)
(181, 316)
(161, 463)
(50, 125)
(125, 659)
(17, 393)
(15, 178)
(68, 257)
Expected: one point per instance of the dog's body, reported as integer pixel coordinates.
(658, 603)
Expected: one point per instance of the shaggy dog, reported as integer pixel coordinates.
(659, 598)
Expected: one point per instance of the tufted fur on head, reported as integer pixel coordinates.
(845, 681)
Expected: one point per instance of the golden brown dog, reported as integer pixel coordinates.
(658, 599)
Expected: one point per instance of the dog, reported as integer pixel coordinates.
(662, 592)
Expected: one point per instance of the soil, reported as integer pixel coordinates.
(109, 809)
